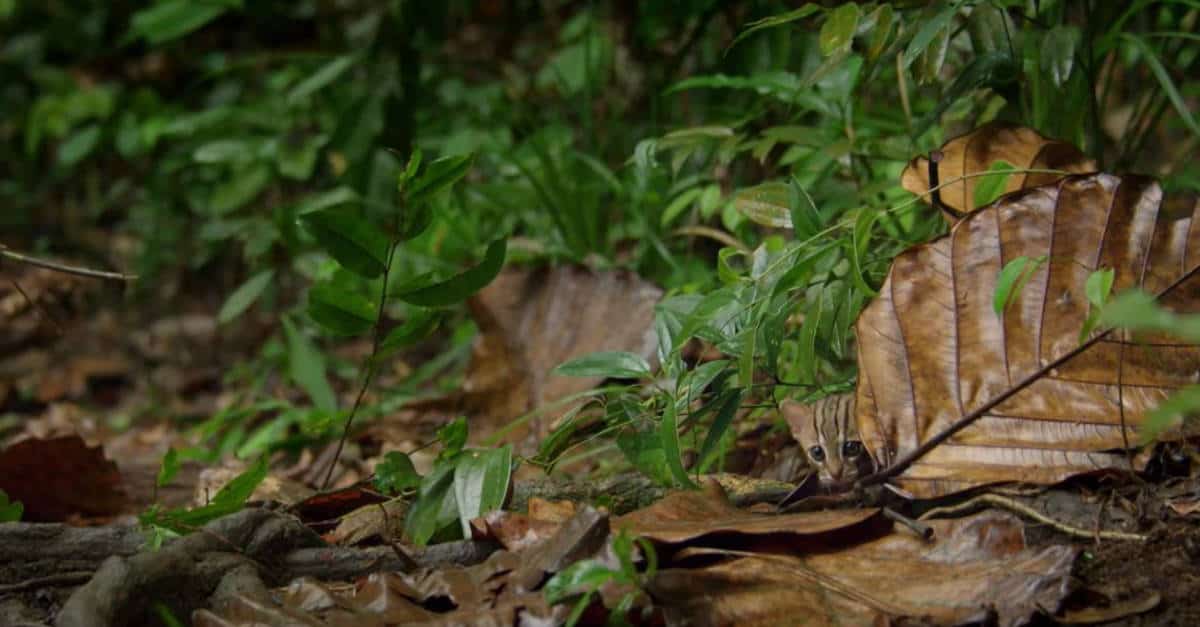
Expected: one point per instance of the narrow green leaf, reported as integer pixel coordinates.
(353, 241)
(306, 366)
(222, 151)
(416, 328)
(838, 30)
(440, 174)
(606, 364)
(729, 403)
(435, 500)
(806, 356)
(1007, 282)
(173, 19)
(992, 185)
(883, 19)
(79, 145)
(242, 186)
(244, 296)
(242, 486)
(581, 577)
(929, 29)
(682, 202)
(168, 469)
(669, 433)
(460, 287)
(804, 11)
(1099, 285)
(1181, 405)
(10, 511)
(321, 78)
(766, 204)
(481, 481)
(860, 242)
(1137, 311)
(1058, 53)
(1164, 81)
(340, 311)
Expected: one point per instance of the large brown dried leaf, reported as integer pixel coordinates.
(931, 349)
(1021, 147)
(976, 566)
(60, 477)
(532, 320)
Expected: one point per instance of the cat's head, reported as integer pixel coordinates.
(827, 432)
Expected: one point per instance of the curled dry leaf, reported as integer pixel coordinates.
(977, 566)
(932, 349)
(975, 152)
(61, 477)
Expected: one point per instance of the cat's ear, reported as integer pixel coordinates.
(801, 420)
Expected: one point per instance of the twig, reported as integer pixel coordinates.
(924, 531)
(57, 580)
(907, 459)
(1020, 508)
(5, 251)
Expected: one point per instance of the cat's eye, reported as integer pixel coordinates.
(852, 448)
(817, 453)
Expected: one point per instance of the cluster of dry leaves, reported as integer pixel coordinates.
(931, 352)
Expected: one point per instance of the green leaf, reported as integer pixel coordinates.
(481, 480)
(582, 577)
(606, 364)
(340, 311)
(668, 432)
(729, 403)
(79, 145)
(766, 204)
(804, 11)
(992, 185)
(929, 29)
(1137, 311)
(306, 366)
(883, 18)
(440, 174)
(318, 80)
(1164, 81)
(241, 187)
(222, 151)
(644, 450)
(349, 238)
(806, 218)
(453, 436)
(680, 204)
(1012, 279)
(1099, 285)
(435, 506)
(396, 473)
(10, 511)
(1180, 405)
(1058, 53)
(169, 468)
(860, 242)
(229, 499)
(173, 19)
(838, 30)
(244, 296)
(418, 327)
(460, 287)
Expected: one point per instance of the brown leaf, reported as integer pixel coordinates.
(532, 320)
(687, 515)
(976, 151)
(977, 566)
(931, 348)
(515, 531)
(61, 476)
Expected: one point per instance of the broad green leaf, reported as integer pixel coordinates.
(298, 160)
(460, 287)
(440, 174)
(929, 69)
(434, 507)
(766, 204)
(883, 19)
(644, 450)
(930, 29)
(991, 186)
(681, 203)
(318, 80)
(354, 242)
(606, 364)
(1058, 53)
(838, 30)
(481, 481)
(668, 432)
(396, 473)
(244, 296)
(223, 151)
(168, 469)
(79, 145)
(173, 19)
(806, 218)
(329, 199)
(306, 365)
(804, 11)
(1164, 81)
(340, 311)
(453, 436)
(242, 186)
(10, 511)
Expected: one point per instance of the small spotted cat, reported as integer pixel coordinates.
(828, 434)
